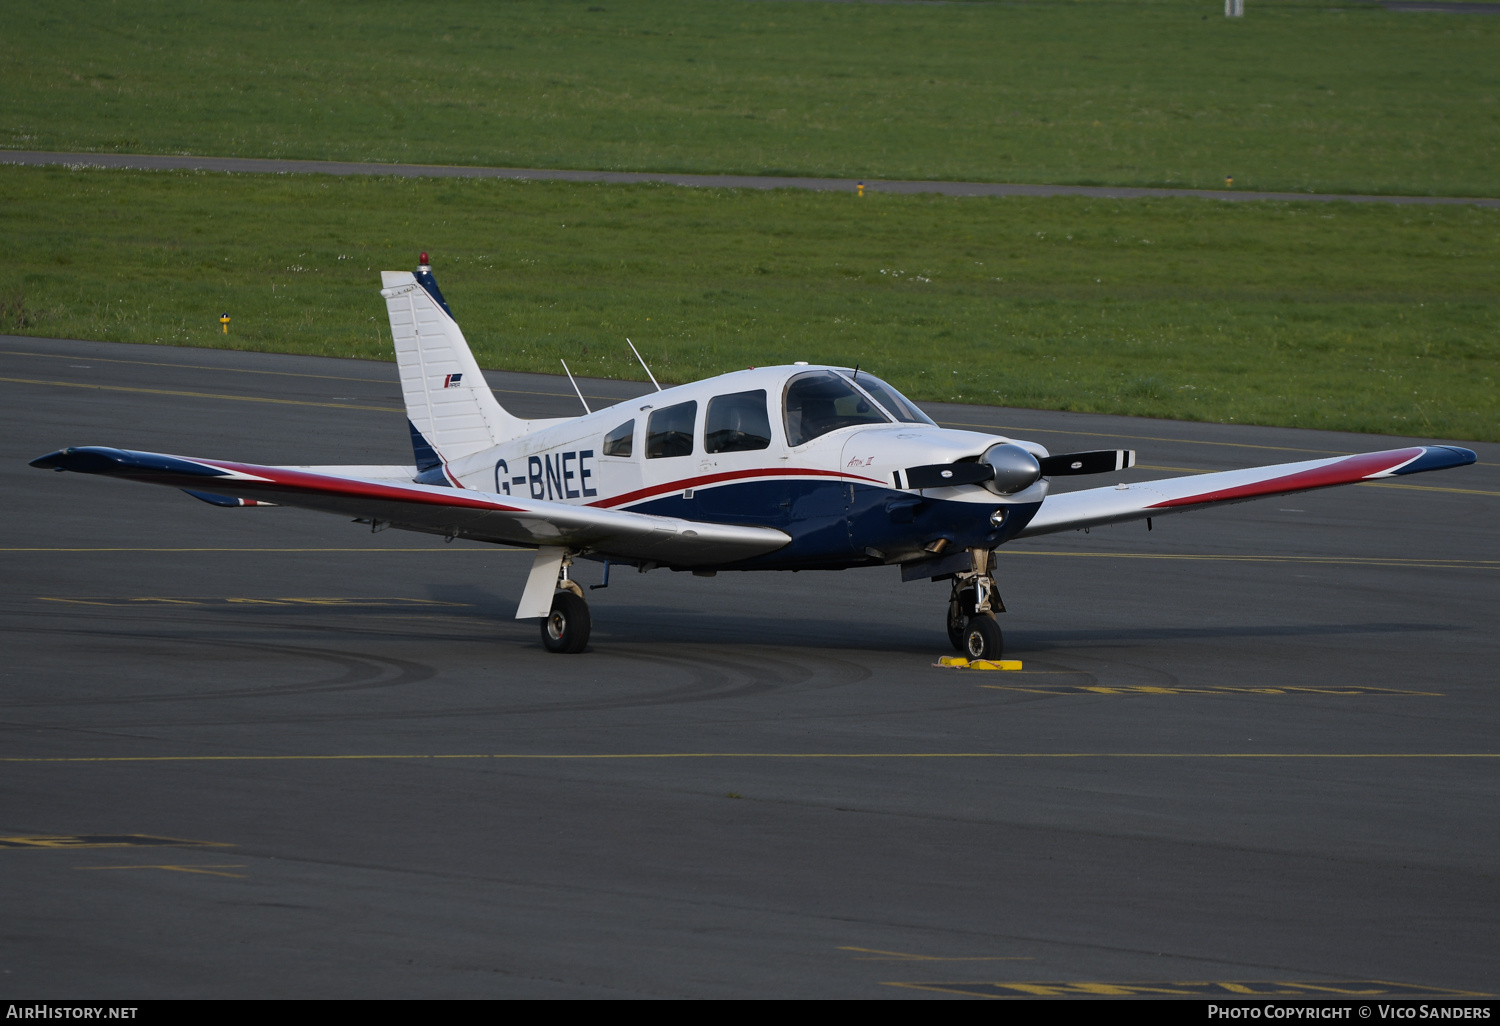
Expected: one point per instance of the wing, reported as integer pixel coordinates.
(456, 513)
(1094, 506)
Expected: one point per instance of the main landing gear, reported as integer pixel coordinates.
(972, 606)
(566, 627)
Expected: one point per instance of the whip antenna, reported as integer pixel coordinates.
(575, 386)
(637, 353)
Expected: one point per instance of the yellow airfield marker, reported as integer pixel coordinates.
(960, 663)
(224, 320)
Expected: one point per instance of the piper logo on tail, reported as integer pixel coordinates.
(452, 380)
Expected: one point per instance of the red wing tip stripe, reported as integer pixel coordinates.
(1349, 470)
(363, 489)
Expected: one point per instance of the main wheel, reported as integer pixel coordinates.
(982, 638)
(566, 628)
(956, 625)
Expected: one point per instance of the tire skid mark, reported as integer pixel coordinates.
(360, 671)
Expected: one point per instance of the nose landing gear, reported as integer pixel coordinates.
(972, 606)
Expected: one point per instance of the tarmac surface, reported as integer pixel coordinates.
(259, 165)
(264, 753)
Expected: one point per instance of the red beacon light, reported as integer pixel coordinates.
(423, 260)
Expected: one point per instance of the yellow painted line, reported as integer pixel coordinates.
(193, 366)
(1397, 563)
(207, 870)
(68, 841)
(279, 374)
(1366, 484)
(1146, 689)
(123, 548)
(876, 955)
(758, 755)
(204, 395)
(1425, 488)
(338, 603)
(1141, 438)
(1357, 989)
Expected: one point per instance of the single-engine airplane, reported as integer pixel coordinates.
(801, 467)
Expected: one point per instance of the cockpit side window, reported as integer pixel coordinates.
(822, 401)
(669, 431)
(896, 404)
(737, 423)
(620, 441)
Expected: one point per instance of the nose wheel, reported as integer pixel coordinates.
(982, 638)
(971, 611)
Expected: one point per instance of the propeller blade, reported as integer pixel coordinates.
(1100, 461)
(948, 475)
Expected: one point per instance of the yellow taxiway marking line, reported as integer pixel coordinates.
(1425, 488)
(279, 374)
(1142, 438)
(1366, 484)
(338, 603)
(69, 841)
(1353, 690)
(204, 395)
(608, 757)
(124, 548)
(1195, 988)
(206, 870)
(1440, 564)
(876, 955)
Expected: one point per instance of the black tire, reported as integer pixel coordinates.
(982, 638)
(956, 626)
(566, 628)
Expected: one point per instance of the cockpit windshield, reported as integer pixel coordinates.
(821, 401)
(896, 404)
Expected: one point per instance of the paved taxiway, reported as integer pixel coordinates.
(277, 166)
(1254, 744)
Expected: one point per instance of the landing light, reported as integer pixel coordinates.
(998, 518)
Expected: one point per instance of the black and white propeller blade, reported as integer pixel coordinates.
(947, 475)
(1005, 468)
(1100, 461)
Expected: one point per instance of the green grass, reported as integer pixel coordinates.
(1301, 96)
(1363, 317)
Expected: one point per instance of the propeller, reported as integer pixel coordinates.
(1099, 461)
(1003, 468)
(948, 475)
(1008, 468)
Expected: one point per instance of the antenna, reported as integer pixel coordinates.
(856, 373)
(637, 353)
(575, 385)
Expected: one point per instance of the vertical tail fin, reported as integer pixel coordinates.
(450, 406)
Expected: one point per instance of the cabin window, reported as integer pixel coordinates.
(737, 423)
(620, 441)
(669, 432)
(821, 402)
(896, 404)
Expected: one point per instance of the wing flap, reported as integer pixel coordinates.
(1093, 507)
(449, 511)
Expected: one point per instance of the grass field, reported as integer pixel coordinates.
(1301, 96)
(1365, 317)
